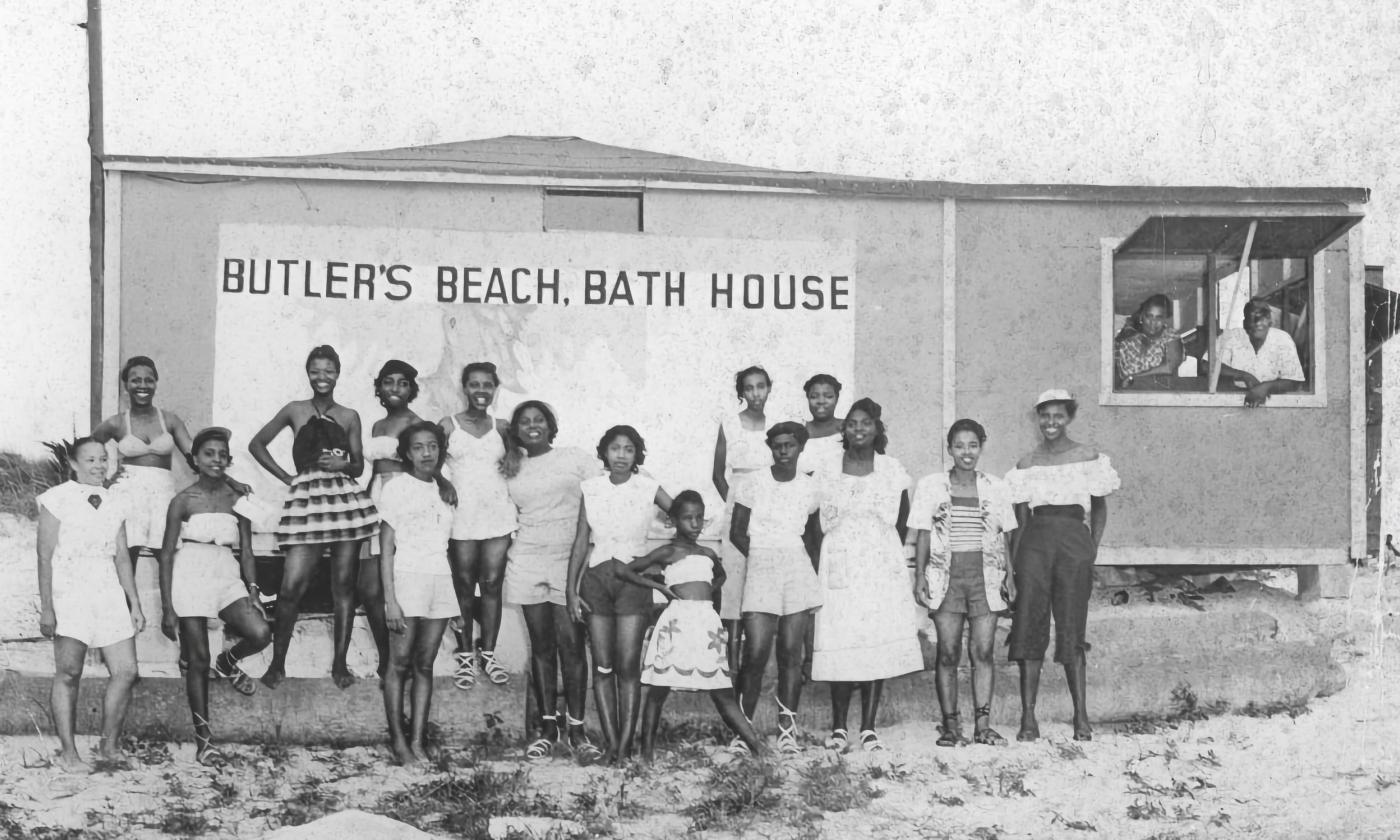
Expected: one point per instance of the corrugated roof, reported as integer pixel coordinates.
(576, 159)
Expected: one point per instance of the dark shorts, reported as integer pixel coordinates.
(966, 593)
(608, 594)
(1054, 576)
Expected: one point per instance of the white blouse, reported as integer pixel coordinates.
(1062, 484)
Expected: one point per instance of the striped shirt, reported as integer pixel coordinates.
(965, 524)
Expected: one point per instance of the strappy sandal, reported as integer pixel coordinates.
(738, 747)
(870, 742)
(585, 751)
(787, 734)
(950, 733)
(495, 671)
(464, 676)
(238, 679)
(205, 753)
(839, 740)
(986, 734)
(543, 746)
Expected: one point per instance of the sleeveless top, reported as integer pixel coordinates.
(212, 528)
(693, 568)
(131, 446)
(745, 450)
(382, 448)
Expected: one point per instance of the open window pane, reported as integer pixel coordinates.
(1180, 289)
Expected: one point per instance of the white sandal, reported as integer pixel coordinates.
(495, 671)
(464, 677)
(839, 740)
(870, 742)
(787, 735)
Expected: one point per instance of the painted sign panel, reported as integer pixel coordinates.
(606, 328)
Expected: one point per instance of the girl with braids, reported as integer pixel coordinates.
(417, 583)
(865, 630)
(613, 518)
(87, 596)
(325, 508)
(200, 580)
(544, 484)
(482, 524)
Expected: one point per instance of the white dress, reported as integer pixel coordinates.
(745, 452)
(866, 628)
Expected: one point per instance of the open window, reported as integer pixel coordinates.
(1176, 290)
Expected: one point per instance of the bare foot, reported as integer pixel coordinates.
(1030, 729)
(342, 677)
(69, 762)
(109, 751)
(1082, 731)
(274, 675)
(405, 754)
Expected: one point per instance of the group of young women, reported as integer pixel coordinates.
(463, 513)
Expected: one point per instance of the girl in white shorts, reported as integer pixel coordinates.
(87, 596)
(775, 525)
(200, 580)
(415, 524)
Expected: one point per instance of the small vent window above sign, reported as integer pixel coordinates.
(606, 210)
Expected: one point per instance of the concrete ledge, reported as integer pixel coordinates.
(1231, 657)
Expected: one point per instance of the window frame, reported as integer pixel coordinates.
(592, 192)
(1108, 395)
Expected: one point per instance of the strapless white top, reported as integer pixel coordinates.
(693, 568)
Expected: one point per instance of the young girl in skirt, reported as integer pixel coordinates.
(87, 597)
(202, 580)
(324, 508)
(687, 650)
(417, 582)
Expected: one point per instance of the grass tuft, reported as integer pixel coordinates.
(738, 794)
(463, 804)
(21, 479)
(831, 786)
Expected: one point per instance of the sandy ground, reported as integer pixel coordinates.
(1330, 770)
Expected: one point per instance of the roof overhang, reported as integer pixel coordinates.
(571, 161)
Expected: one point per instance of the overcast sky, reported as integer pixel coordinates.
(1238, 93)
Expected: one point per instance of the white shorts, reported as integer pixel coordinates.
(425, 596)
(145, 494)
(95, 618)
(780, 581)
(206, 580)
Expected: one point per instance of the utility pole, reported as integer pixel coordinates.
(96, 217)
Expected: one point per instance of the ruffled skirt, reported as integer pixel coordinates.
(325, 507)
